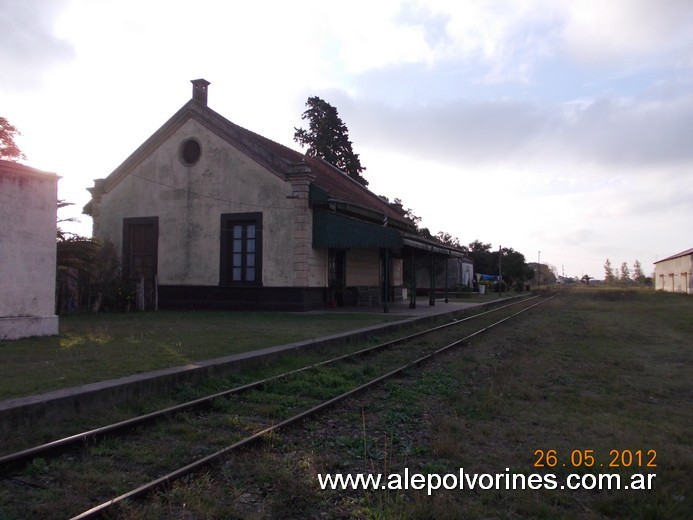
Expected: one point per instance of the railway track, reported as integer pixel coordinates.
(213, 426)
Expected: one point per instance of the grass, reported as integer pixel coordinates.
(593, 370)
(598, 371)
(93, 347)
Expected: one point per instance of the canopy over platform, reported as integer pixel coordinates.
(331, 229)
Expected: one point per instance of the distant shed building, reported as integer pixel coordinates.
(675, 273)
(28, 205)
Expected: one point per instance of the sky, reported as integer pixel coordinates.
(563, 130)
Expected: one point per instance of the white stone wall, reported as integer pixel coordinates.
(675, 275)
(360, 269)
(28, 205)
(363, 268)
(317, 261)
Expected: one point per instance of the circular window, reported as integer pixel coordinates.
(190, 152)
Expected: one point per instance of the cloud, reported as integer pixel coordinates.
(577, 112)
(506, 41)
(372, 35)
(28, 45)
(448, 102)
(600, 32)
(634, 133)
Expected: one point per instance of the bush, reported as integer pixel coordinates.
(108, 290)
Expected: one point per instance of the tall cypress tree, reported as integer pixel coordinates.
(327, 137)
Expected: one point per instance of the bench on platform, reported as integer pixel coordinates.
(367, 296)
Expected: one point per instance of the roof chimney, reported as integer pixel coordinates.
(200, 90)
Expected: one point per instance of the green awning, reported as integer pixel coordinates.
(433, 247)
(331, 229)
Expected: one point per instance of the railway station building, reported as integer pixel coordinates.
(207, 214)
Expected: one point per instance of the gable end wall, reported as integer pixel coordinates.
(188, 200)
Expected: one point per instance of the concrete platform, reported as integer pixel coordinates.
(23, 412)
(423, 307)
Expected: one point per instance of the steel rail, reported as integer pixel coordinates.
(165, 480)
(20, 458)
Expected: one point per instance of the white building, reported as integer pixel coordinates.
(28, 205)
(675, 273)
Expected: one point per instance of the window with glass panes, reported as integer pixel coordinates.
(241, 248)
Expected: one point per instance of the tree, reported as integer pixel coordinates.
(77, 260)
(609, 276)
(479, 247)
(638, 274)
(485, 262)
(544, 274)
(327, 137)
(625, 273)
(515, 270)
(407, 213)
(8, 148)
(446, 238)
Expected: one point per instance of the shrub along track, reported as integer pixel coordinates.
(113, 459)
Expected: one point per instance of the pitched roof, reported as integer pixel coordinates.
(15, 168)
(275, 157)
(677, 255)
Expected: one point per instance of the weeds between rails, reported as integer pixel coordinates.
(20, 458)
(274, 404)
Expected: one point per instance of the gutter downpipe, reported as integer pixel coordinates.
(432, 289)
(412, 296)
(446, 281)
(386, 280)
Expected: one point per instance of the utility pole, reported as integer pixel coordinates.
(539, 272)
(500, 269)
